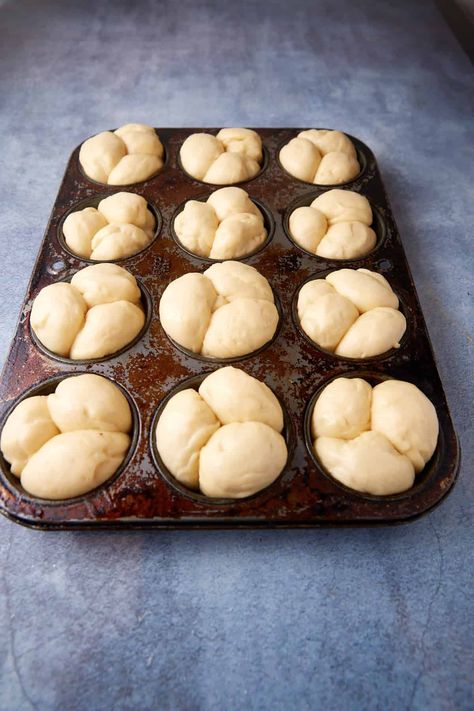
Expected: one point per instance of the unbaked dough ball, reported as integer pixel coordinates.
(121, 226)
(234, 155)
(320, 156)
(404, 414)
(89, 402)
(106, 283)
(351, 312)
(122, 208)
(108, 328)
(241, 459)
(185, 309)
(227, 226)
(80, 227)
(26, 429)
(225, 439)
(368, 463)
(95, 315)
(74, 463)
(342, 409)
(374, 439)
(183, 428)
(375, 331)
(69, 442)
(57, 316)
(335, 225)
(235, 396)
(226, 312)
(130, 154)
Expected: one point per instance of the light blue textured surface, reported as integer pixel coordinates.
(323, 619)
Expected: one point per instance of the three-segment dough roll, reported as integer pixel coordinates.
(320, 156)
(225, 439)
(232, 156)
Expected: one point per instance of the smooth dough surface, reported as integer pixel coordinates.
(107, 329)
(335, 226)
(351, 312)
(74, 463)
(404, 414)
(241, 459)
(368, 463)
(57, 316)
(95, 315)
(183, 428)
(26, 429)
(374, 440)
(320, 156)
(234, 280)
(186, 308)
(130, 154)
(343, 409)
(121, 226)
(240, 327)
(234, 155)
(235, 396)
(89, 401)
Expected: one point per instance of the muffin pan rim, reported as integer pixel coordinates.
(329, 509)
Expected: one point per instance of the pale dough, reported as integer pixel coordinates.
(373, 440)
(27, 428)
(130, 154)
(226, 312)
(224, 440)
(234, 155)
(121, 226)
(67, 443)
(184, 427)
(95, 315)
(89, 402)
(74, 463)
(404, 414)
(227, 226)
(353, 313)
(335, 226)
(320, 156)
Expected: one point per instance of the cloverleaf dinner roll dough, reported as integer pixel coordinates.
(121, 226)
(320, 156)
(227, 226)
(374, 440)
(68, 443)
(95, 315)
(130, 154)
(225, 439)
(227, 311)
(234, 155)
(352, 312)
(335, 226)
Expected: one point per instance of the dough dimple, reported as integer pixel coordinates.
(320, 156)
(374, 439)
(233, 156)
(94, 316)
(351, 312)
(130, 154)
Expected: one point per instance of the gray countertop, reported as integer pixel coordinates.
(346, 619)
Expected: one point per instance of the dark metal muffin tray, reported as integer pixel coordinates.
(141, 494)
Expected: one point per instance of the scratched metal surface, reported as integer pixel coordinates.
(139, 494)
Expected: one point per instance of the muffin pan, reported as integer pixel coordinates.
(141, 494)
